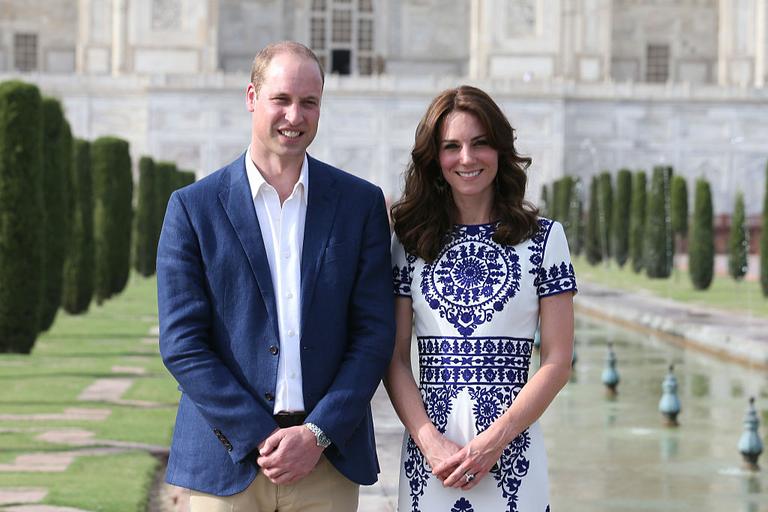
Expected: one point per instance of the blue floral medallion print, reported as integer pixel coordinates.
(555, 277)
(472, 278)
(462, 505)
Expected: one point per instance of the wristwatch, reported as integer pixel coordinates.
(323, 441)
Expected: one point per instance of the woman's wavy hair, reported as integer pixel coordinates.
(425, 213)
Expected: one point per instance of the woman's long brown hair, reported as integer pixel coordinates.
(426, 212)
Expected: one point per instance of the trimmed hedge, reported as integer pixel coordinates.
(113, 191)
(145, 242)
(658, 249)
(22, 235)
(738, 245)
(593, 246)
(637, 221)
(701, 253)
(57, 189)
(621, 216)
(79, 265)
(606, 212)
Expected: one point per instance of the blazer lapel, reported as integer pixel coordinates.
(236, 199)
(321, 209)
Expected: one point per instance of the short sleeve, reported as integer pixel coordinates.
(402, 268)
(555, 274)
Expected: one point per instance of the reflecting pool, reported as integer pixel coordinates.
(616, 454)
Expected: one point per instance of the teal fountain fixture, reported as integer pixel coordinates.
(669, 405)
(750, 444)
(610, 374)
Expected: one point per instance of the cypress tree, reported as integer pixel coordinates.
(576, 218)
(594, 247)
(145, 245)
(112, 190)
(621, 216)
(79, 265)
(564, 206)
(702, 249)
(165, 172)
(123, 209)
(544, 204)
(22, 227)
(738, 244)
(679, 205)
(764, 239)
(606, 212)
(637, 221)
(57, 163)
(557, 192)
(657, 232)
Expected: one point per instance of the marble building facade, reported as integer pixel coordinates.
(588, 84)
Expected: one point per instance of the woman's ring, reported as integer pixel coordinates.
(469, 477)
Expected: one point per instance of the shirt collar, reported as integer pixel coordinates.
(257, 181)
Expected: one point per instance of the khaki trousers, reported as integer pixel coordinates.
(323, 490)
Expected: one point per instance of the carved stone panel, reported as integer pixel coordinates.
(166, 14)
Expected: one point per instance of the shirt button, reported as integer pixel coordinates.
(273, 350)
(287, 254)
(289, 295)
(291, 333)
(269, 396)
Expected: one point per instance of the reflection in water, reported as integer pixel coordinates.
(617, 455)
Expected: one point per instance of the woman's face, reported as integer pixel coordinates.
(468, 162)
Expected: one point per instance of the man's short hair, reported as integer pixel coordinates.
(265, 56)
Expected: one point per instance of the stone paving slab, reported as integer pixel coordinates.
(105, 390)
(730, 335)
(39, 463)
(69, 414)
(19, 495)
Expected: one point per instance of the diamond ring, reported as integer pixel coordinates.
(469, 477)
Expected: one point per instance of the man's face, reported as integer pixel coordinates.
(286, 110)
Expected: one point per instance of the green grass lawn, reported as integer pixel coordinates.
(725, 293)
(72, 355)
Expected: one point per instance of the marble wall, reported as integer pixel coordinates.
(367, 125)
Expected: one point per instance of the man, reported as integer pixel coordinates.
(276, 312)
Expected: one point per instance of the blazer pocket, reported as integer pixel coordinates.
(336, 251)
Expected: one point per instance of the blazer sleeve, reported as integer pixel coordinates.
(184, 310)
(371, 332)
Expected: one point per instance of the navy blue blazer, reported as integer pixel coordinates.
(218, 324)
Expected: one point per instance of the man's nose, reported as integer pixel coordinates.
(293, 113)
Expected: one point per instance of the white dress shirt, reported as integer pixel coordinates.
(282, 228)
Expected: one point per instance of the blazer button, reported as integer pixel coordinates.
(274, 350)
(269, 396)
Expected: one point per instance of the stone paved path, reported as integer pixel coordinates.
(730, 335)
(83, 442)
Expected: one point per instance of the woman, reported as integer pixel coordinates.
(475, 271)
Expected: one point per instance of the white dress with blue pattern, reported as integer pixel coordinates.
(476, 309)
